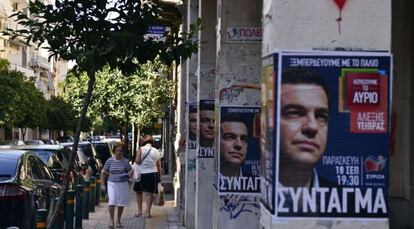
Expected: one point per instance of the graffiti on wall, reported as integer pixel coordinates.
(236, 205)
(241, 94)
(340, 4)
(207, 82)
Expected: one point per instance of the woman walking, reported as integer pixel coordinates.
(118, 170)
(148, 163)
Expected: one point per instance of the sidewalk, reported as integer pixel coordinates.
(162, 217)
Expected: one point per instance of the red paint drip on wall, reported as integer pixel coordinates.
(340, 4)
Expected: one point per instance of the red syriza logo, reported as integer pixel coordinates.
(375, 163)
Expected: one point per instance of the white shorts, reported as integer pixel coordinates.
(118, 193)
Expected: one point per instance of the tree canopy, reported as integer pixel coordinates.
(137, 98)
(95, 33)
(21, 104)
(60, 114)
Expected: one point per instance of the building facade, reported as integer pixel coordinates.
(236, 35)
(31, 60)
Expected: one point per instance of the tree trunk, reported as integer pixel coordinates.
(135, 139)
(86, 101)
(23, 131)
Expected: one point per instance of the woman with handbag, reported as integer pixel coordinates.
(147, 164)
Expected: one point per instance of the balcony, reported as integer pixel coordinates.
(40, 62)
(28, 72)
(20, 1)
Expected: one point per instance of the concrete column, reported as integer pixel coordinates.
(191, 151)
(402, 159)
(206, 81)
(181, 124)
(319, 24)
(238, 76)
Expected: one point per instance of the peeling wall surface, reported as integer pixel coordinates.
(325, 25)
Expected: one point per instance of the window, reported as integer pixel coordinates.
(44, 170)
(33, 169)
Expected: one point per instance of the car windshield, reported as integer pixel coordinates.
(87, 150)
(7, 168)
(43, 154)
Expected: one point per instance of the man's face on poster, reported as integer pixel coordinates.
(303, 124)
(207, 124)
(192, 125)
(233, 143)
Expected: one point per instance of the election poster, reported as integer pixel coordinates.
(238, 150)
(267, 127)
(192, 126)
(333, 111)
(206, 129)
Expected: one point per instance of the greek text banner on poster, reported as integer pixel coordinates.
(332, 142)
(239, 153)
(206, 129)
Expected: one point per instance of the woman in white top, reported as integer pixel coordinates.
(148, 162)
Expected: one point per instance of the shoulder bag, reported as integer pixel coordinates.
(137, 175)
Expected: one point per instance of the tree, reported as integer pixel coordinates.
(60, 114)
(95, 33)
(137, 99)
(32, 108)
(125, 100)
(21, 104)
(11, 94)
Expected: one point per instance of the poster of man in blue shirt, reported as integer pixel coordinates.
(332, 141)
(239, 154)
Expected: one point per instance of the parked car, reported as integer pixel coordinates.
(26, 184)
(104, 150)
(81, 163)
(65, 139)
(34, 142)
(86, 150)
(56, 158)
(51, 142)
(10, 144)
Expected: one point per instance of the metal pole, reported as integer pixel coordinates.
(98, 189)
(79, 196)
(70, 204)
(85, 203)
(92, 194)
(41, 218)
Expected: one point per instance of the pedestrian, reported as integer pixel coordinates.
(147, 161)
(118, 170)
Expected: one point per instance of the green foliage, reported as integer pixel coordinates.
(33, 107)
(60, 115)
(21, 104)
(95, 33)
(137, 98)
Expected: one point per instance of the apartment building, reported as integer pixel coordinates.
(33, 61)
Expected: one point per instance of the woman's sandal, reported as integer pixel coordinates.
(119, 225)
(139, 215)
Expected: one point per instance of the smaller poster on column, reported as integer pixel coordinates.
(206, 129)
(239, 153)
(192, 126)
